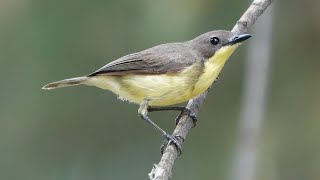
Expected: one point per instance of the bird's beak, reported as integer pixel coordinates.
(238, 39)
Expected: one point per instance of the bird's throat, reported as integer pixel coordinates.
(212, 68)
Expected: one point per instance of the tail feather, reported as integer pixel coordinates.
(65, 83)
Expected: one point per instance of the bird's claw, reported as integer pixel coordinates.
(186, 111)
(174, 140)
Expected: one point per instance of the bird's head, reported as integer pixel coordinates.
(211, 42)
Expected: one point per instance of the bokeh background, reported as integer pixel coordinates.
(82, 133)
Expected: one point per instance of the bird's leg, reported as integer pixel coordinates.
(184, 111)
(143, 111)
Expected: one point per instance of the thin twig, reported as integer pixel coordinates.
(163, 170)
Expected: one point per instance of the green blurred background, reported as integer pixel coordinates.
(86, 133)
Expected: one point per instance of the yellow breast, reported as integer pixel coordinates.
(212, 69)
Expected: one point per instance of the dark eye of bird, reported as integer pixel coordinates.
(214, 40)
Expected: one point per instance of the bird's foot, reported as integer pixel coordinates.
(186, 111)
(174, 140)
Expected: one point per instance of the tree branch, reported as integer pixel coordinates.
(163, 170)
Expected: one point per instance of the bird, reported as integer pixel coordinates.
(164, 75)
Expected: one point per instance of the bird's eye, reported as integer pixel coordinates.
(214, 40)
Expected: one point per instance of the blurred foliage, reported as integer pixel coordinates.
(86, 133)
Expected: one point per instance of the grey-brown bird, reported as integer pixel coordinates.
(164, 75)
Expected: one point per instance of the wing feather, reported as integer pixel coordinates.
(166, 58)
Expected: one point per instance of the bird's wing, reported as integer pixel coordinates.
(167, 58)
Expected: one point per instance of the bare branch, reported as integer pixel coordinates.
(163, 170)
(251, 15)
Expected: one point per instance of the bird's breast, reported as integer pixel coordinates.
(212, 68)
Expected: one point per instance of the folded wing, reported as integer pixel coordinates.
(166, 58)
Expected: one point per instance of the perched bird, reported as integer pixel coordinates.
(164, 75)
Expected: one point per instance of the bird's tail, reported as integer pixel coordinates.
(65, 83)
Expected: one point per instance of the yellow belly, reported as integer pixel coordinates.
(160, 90)
(166, 89)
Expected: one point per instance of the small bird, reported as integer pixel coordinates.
(164, 75)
